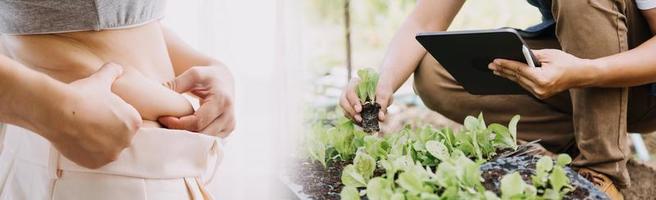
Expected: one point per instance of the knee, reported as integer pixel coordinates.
(569, 7)
(432, 84)
(580, 12)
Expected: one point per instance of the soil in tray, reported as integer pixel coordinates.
(322, 183)
(319, 182)
(493, 171)
(369, 115)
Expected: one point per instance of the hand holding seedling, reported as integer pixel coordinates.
(364, 102)
(215, 116)
(560, 71)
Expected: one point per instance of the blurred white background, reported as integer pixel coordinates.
(258, 40)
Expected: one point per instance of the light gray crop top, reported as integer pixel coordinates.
(21, 17)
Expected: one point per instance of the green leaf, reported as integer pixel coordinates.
(512, 127)
(558, 178)
(530, 192)
(343, 135)
(447, 175)
(317, 152)
(376, 146)
(471, 123)
(428, 196)
(481, 121)
(502, 136)
(437, 150)
(349, 193)
(542, 169)
(551, 195)
(563, 160)
(413, 182)
(380, 189)
(398, 196)
(450, 193)
(490, 196)
(472, 176)
(512, 185)
(366, 89)
(364, 164)
(351, 177)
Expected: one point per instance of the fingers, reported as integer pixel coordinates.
(350, 102)
(513, 68)
(186, 81)
(129, 114)
(511, 65)
(543, 55)
(107, 74)
(206, 115)
(525, 82)
(383, 101)
(230, 126)
(539, 54)
(189, 123)
(221, 126)
(349, 111)
(211, 109)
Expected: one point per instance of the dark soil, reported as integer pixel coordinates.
(323, 183)
(369, 114)
(318, 182)
(493, 171)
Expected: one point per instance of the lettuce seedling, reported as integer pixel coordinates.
(558, 178)
(380, 188)
(413, 180)
(349, 193)
(342, 137)
(366, 91)
(376, 147)
(438, 150)
(317, 151)
(542, 169)
(364, 164)
(351, 177)
(512, 186)
(563, 160)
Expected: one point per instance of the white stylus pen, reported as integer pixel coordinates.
(527, 55)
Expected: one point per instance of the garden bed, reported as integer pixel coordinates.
(478, 162)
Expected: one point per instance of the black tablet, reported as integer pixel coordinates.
(466, 55)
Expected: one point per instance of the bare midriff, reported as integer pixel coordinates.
(141, 51)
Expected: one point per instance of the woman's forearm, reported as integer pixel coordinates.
(631, 68)
(404, 52)
(26, 96)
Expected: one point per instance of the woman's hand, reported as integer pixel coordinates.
(215, 88)
(352, 107)
(93, 125)
(559, 71)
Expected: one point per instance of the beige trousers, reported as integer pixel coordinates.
(589, 123)
(160, 164)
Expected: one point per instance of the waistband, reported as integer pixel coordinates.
(156, 153)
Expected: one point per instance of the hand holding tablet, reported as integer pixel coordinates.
(466, 55)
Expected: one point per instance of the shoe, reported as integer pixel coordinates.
(603, 183)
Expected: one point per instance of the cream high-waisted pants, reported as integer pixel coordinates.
(160, 164)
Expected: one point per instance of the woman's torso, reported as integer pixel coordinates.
(140, 50)
(71, 56)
